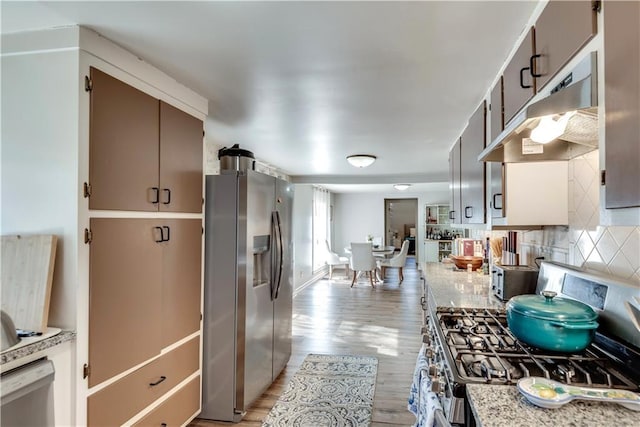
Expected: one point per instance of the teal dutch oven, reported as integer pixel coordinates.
(550, 323)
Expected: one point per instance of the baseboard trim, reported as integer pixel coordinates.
(317, 276)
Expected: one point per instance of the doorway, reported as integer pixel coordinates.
(400, 222)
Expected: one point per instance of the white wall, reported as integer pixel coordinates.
(40, 162)
(302, 234)
(358, 214)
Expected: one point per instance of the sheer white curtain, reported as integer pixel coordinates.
(321, 231)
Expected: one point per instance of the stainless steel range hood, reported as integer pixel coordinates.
(577, 92)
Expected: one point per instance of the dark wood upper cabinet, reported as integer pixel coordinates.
(144, 155)
(497, 116)
(123, 147)
(518, 84)
(472, 172)
(622, 103)
(454, 183)
(180, 161)
(562, 29)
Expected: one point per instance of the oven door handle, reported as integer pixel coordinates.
(439, 420)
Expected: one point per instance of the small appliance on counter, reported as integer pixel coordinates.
(510, 280)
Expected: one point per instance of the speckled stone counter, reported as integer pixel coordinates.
(450, 287)
(38, 345)
(504, 406)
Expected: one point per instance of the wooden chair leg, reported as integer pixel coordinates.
(354, 278)
(401, 275)
(371, 273)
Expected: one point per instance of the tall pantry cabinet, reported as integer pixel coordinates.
(118, 178)
(145, 274)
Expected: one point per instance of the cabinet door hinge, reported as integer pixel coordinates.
(88, 84)
(86, 371)
(603, 176)
(88, 236)
(87, 190)
(596, 5)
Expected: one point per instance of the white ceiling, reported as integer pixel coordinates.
(304, 84)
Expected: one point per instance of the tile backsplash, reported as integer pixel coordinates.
(614, 250)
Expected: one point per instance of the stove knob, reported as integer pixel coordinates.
(433, 370)
(436, 385)
(426, 339)
(429, 353)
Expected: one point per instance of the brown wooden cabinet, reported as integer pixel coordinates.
(144, 155)
(181, 279)
(454, 183)
(562, 29)
(180, 161)
(179, 407)
(622, 103)
(518, 84)
(121, 400)
(496, 109)
(472, 171)
(144, 286)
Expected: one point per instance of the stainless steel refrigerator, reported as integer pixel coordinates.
(248, 289)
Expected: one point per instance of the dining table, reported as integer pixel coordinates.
(383, 251)
(380, 251)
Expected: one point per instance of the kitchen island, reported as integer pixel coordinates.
(495, 405)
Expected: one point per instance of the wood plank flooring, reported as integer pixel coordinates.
(329, 317)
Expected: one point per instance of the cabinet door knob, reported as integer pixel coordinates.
(532, 65)
(156, 194)
(162, 378)
(167, 192)
(466, 215)
(494, 203)
(161, 234)
(522, 85)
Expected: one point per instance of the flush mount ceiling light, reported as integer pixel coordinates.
(401, 187)
(361, 160)
(549, 128)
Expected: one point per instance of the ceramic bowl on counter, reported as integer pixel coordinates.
(463, 261)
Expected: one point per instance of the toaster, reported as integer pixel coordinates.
(510, 280)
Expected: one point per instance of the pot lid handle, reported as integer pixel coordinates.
(548, 295)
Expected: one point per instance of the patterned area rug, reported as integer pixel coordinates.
(328, 390)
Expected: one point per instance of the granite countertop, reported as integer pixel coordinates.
(32, 345)
(504, 406)
(450, 287)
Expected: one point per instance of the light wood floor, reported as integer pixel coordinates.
(329, 317)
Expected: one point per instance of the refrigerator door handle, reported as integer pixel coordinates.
(277, 257)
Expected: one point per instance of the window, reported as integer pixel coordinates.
(321, 231)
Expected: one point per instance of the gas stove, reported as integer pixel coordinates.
(474, 345)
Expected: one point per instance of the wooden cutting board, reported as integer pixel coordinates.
(27, 273)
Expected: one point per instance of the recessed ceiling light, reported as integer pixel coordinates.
(401, 187)
(361, 160)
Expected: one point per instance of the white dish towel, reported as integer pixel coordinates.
(422, 401)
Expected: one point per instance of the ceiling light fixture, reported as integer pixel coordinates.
(401, 187)
(361, 160)
(549, 128)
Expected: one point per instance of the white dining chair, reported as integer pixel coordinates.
(362, 260)
(397, 261)
(334, 259)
